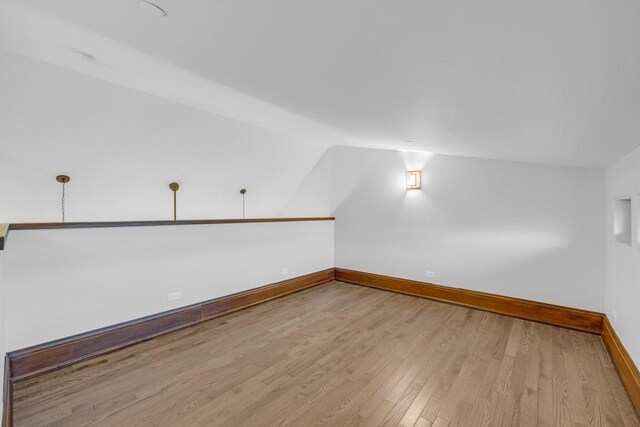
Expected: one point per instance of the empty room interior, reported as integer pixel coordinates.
(301, 213)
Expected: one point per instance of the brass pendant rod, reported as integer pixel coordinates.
(63, 179)
(174, 186)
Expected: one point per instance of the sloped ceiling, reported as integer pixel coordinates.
(122, 148)
(227, 94)
(535, 81)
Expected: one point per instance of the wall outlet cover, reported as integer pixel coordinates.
(173, 296)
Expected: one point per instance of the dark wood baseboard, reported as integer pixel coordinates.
(7, 396)
(42, 358)
(621, 359)
(573, 318)
(227, 304)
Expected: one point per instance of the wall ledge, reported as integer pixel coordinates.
(5, 228)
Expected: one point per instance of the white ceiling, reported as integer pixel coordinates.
(543, 81)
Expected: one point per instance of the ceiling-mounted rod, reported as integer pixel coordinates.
(243, 192)
(174, 186)
(63, 179)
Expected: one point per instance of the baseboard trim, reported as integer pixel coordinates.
(621, 359)
(573, 318)
(7, 396)
(26, 363)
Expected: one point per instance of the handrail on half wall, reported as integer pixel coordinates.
(5, 228)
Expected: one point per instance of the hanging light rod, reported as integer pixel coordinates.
(243, 192)
(174, 186)
(63, 179)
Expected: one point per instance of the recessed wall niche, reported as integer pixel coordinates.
(622, 220)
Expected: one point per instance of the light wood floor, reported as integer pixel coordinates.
(341, 355)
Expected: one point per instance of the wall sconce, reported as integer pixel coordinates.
(414, 180)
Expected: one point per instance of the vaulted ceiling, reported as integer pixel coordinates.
(543, 81)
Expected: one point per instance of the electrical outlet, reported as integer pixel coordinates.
(430, 274)
(284, 271)
(173, 296)
(614, 312)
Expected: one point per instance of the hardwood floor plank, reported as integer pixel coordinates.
(343, 355)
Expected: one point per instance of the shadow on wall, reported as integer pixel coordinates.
(335, 178)
(517, 229)
(330, 182)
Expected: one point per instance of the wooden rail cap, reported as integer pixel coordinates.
(5, 228)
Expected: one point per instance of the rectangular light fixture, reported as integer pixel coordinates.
(414, 180)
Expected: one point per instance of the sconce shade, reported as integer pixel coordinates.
(414, 180)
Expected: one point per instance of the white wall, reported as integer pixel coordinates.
(523, 230)
(63, 282)
(623, 260)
